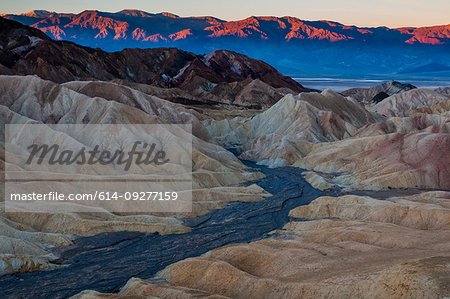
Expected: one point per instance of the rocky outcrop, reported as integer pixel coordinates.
(285, 132)
(250, 93)
(423, 211)
(443, 90)
(204, 105)
(25, 249)
(350, 246)
(228, 66)
(442, 108)
(139, 288)
(15, 41)
(376, 94)
(400, 104)
(398, 160)
(425, 119)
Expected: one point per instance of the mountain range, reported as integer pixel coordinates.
(221, 77)
(292, 45)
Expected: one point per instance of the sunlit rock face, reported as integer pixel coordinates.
(349, 246)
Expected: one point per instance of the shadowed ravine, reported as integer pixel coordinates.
(105, 262)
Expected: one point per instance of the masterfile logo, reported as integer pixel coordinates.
(54, 155)
(89, 168)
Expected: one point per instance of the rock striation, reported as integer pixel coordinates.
(443, 90)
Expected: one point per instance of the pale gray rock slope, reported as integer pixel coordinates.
(410, 124)
(171, 113)
(388, 161)
(26, 237)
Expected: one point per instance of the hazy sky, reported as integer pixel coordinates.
(392, 13)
